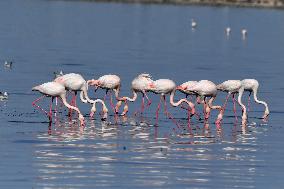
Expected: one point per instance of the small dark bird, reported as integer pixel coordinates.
(8, 64)
(3, 96)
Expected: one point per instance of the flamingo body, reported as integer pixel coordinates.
(205, 88)
(163, 86)
(230, 86)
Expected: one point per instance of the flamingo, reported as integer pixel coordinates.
(75, 82)
(187, 85)
(252, 85)
(163, 87)
(54, 89)
(193, 23)
(108, 82)
(204, 89)
(140, 84)
(231, 87)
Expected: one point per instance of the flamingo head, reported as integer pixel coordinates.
(151, 85)
(181, 87)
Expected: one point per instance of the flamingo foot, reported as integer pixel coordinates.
(82, 120)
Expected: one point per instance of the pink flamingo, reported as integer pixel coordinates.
(204, 89)
(140, 84)
(163, 87)
(110, 83)
(75, 82)
(54, 89)
(231, 87)
(252, 85)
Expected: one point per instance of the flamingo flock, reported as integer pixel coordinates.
(204, 91)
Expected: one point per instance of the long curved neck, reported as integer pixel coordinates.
(132, 99)
(82, 97)
(259, 101)
(63, 97)
(241, 91)
(176, 103)
(99, 101)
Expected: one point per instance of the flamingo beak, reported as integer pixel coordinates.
(180, 87)
(151, 85)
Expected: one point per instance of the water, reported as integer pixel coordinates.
(93, 39)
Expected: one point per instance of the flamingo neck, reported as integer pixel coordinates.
(176, 103)
(132, 99)
(63, 97)
(241, 91)
(260, 102)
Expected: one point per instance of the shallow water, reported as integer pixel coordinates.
(93, 39)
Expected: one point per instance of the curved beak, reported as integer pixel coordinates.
(180, 87)
(151, 85)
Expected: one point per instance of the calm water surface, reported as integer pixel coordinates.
(93, 39)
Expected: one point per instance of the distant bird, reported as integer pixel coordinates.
(140, 84)
(58, 74)
(3, 96)
(75, 82)
(228, 31)
(252, 85)
(54, 89)
(244, 33)
(8, 64)
(232, 87)
(193, 23)
(164, 87)
(110, 83)
(204, 89)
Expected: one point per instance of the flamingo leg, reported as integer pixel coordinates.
(143, 103)
(167, 113)
(235, 109)
(50, 109)
(111, 102)
(157, 111)
(149, 101)
(37, 106)
(249, 101)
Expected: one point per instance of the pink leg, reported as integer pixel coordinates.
(50, 110)
(157, 111)
(235, 109)
(37, 106)
(168, 114)
(225, 104)
(110, 101)
(142, 104)
(149, 101)
(249, 102)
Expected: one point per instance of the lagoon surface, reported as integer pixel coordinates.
(93, 39)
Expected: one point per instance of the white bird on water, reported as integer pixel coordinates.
(228, 31)
(252, 85)
(54, 89)
(231, 87)
(167, 86)
(75, 82)
(244, 33)
(193, 23)
(139, 84)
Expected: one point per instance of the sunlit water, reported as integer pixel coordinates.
(93, 39)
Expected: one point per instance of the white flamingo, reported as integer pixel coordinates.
(231, 87)
(204, 89)
(252, 85)
(54, 89)
(140, 84)
(75, 82)
(108, 82)
(164, 87)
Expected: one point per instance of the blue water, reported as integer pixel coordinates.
(94, 39)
